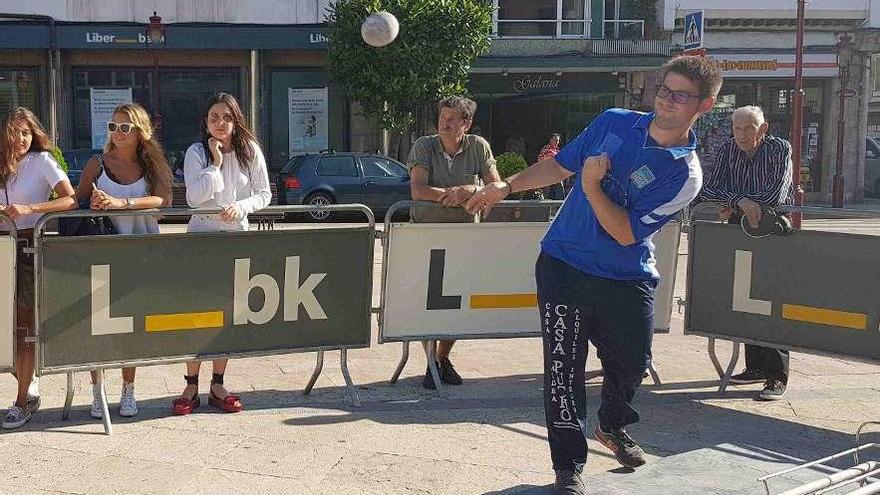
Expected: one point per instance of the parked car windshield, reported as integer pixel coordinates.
(375, 166)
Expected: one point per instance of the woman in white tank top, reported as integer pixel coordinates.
(131, 174)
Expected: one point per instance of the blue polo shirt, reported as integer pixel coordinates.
(650, 182)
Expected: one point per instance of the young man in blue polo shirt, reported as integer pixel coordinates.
(596, 273)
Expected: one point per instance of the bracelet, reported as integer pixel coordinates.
(509, 186)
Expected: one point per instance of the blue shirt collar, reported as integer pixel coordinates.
(644, 121)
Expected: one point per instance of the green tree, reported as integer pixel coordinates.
(429, 60)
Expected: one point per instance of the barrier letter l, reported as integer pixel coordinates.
(742, 287)
(102, 322)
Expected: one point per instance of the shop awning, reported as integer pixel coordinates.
(116, 36)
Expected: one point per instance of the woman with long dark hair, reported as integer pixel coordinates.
(225, 169)
(28, 176)
(131, 174)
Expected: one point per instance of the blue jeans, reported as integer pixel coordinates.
(617, 317)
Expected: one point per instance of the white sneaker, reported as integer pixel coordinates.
(127, 405)
(34, 387)
(96, 411)
(16, 416)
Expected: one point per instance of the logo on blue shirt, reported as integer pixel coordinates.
(642, 177)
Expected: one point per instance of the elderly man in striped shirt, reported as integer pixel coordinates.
(753, 170)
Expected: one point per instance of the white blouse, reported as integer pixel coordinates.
(209, 186)
(36, 176)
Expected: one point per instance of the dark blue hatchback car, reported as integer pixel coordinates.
(339, 178)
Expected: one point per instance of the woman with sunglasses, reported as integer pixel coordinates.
(225, 169)
(28, 176)
(131, 174)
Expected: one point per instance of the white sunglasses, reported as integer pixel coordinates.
(124, 128)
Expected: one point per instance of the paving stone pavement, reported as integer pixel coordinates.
(484, 437)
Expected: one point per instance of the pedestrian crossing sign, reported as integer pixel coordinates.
(693, 31)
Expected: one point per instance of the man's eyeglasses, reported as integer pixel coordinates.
(680, 97)
(227, 118)
(124, 127)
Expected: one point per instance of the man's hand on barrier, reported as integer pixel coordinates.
(457, 195)
(725, 213)
(15, 211)
(752, 211)
(486, 197)
(595, 168)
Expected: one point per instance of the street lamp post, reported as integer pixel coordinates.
(155, 34)
(844, 56)
(798, 114)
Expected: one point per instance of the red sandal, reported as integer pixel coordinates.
(182, 406)
(231, 403)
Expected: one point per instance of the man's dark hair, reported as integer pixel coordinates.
(466, 106)
(704, 71)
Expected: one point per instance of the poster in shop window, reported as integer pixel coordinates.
(103, 102)
(307, 120)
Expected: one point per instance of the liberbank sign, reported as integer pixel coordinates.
(106, 36)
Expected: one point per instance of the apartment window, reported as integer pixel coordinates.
(615, 26)
(542, 18)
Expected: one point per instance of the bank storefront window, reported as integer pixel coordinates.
(18, 88)
(183, 93)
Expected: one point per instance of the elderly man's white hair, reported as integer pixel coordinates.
(753, 113)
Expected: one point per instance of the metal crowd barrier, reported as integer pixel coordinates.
(483, 300)
(7, 295)
(64, 320)
(810, 291)
(865, 474)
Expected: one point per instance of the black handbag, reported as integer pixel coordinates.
(87, 225)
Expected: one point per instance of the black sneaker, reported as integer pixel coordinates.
(448, 375)
(627, 451)
(428, 381)
(748, 376)
(569, 482)
(774, 389)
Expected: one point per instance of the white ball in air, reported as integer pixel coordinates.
(380, 29)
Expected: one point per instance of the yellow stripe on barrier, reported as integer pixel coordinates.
(504, 301)
(183, 321)
(821, 316)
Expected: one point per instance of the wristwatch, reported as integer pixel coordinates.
(129, 203)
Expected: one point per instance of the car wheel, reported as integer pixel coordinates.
(319, 199)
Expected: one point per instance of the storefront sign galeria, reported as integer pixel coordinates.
(542, 82)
